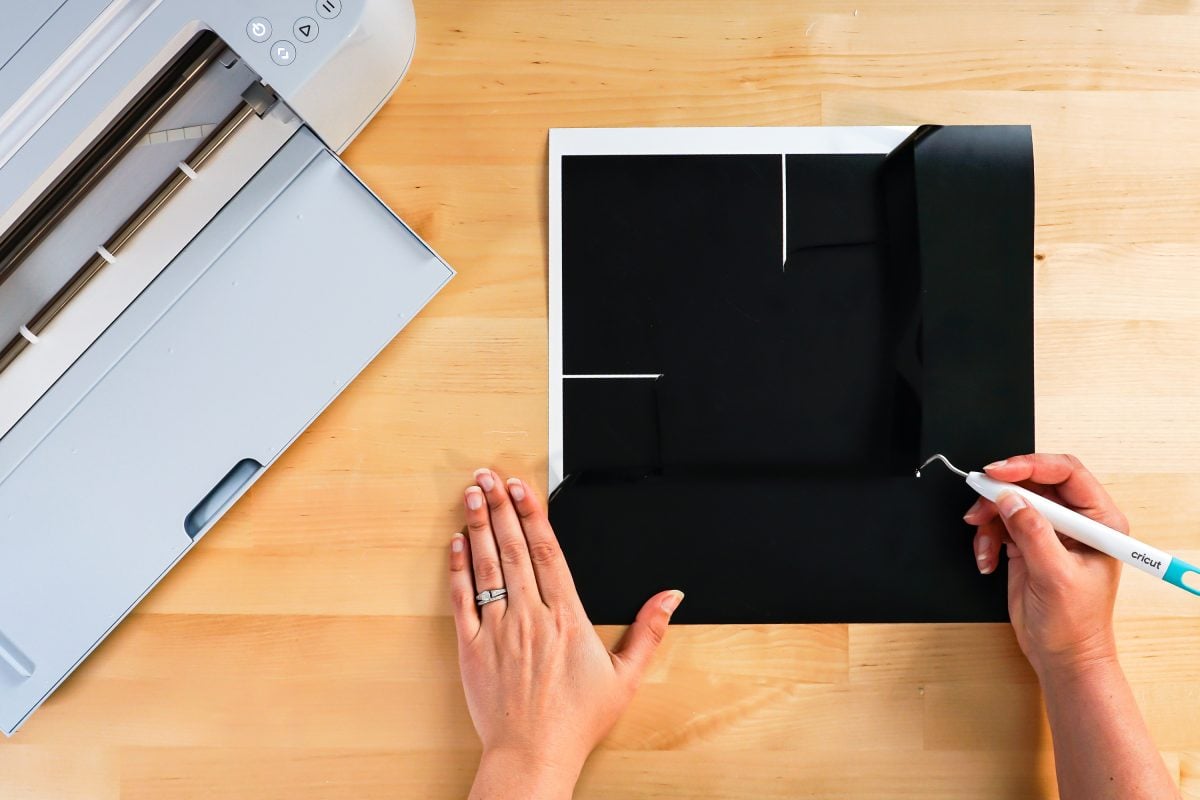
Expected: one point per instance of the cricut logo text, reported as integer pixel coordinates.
(1145, 559)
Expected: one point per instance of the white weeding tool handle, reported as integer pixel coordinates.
(1100, 537)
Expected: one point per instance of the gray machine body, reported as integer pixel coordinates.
(178, 406)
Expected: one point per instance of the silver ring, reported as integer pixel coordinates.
(490, 596)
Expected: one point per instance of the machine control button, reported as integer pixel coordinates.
(283, 52)
(259, 29)
(305, 29)
(329, 8)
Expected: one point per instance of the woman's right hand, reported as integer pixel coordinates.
(1060, 592)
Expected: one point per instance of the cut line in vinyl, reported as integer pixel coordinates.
(642, 376)
(783, 183)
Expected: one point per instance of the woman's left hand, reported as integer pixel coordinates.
(541, 687)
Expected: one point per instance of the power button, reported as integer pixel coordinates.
(259, 29)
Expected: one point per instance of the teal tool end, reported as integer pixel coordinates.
(1176, 571)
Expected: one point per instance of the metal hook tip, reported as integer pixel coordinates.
(944, 460)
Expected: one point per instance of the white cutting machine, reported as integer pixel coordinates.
(188, 276)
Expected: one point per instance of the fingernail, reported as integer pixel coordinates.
(672, 601)
(456, 543)
(516, 489)
(996, 464)
(484, 478)
(982, 554)
(1010, 503)
(978, 504)
(474, 498)
(985, 569)
(983, 544)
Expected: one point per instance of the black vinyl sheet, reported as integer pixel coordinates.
(769, 471)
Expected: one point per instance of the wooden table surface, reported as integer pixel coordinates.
(304, 649)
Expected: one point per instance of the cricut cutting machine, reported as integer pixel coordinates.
(188, 276)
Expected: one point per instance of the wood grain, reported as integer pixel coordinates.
(304, 649)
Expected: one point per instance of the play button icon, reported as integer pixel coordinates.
(305, 29)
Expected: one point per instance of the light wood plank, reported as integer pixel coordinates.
(83, 772)
(273, 773)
